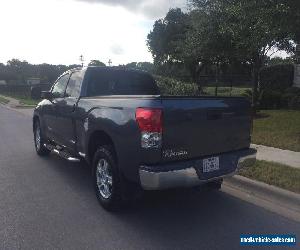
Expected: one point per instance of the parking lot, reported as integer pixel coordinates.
(50, 203)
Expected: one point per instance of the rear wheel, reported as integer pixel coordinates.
(39, 140)
(106, 179)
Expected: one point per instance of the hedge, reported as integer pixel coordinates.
(276, 77)
(170, 86)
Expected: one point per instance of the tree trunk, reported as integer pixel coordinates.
(196, 75)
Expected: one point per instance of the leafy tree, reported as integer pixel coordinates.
(253, 29)
(167, 43)
(96, 63)
(145, 66)
(165, 39)
(17, 71)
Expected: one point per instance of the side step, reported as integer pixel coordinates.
(61, 153)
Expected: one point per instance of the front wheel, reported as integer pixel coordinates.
(39, 141)
(106, 179)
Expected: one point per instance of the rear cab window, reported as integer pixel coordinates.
(101, 82)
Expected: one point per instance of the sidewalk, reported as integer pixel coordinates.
(285, 157)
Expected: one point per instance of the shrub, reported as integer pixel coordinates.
(277, 77)
(248, 94)
(291, 98)
(270, 99)
(169, 86)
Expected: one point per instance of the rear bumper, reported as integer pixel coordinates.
(186, 174)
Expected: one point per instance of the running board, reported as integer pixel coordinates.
(61, 153)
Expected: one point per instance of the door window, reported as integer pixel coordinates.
(58, 90)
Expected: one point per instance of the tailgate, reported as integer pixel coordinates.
(203, 126)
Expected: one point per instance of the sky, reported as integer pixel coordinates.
(59, 31)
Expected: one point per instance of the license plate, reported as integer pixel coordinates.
(211, 164)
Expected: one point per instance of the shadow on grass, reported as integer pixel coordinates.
(261, 116)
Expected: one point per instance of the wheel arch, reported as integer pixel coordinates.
(99, 138)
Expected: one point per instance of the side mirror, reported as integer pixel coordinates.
(46, 95)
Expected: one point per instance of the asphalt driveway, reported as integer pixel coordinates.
(48, 203)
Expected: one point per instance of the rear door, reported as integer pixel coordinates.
(197, 127)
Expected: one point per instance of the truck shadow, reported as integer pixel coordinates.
(176, 219)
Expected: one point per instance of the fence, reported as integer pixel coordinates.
(24, 90)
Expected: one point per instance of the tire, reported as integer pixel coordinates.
(41, 150)
(106, 179)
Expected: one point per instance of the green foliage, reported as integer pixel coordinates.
(278, 128)
(248, 94)
(164, 41)
(169, 86)
(96, 63)
(291, 98)
(277, 77)
(279, 60)
(215, 33)
(145, 66)
(3, 100)
(274, 174)
(270, 99)
(17, 72)
(226, 91)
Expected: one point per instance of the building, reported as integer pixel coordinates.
(33, 81)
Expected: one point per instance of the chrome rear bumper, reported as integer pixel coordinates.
(186, 177)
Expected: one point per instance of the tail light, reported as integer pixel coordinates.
(149, 121)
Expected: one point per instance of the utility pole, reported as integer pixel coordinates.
(109, 62)
(81, 59)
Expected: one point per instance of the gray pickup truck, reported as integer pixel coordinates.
(136, 139)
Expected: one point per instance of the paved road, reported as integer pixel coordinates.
(48, 203)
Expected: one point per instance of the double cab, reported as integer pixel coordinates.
(134, 138)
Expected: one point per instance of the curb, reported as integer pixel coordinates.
(279, 198)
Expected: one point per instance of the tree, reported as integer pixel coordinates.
(166, 43)
(254, 28)
(163, 41)
(96, 63)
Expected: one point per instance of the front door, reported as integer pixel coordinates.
(58, 93)
(67, 110)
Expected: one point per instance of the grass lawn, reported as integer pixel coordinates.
(274, 174)
(28, 101)
(24, 100)
(278, 128)
(225, 91)
(3, 100)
